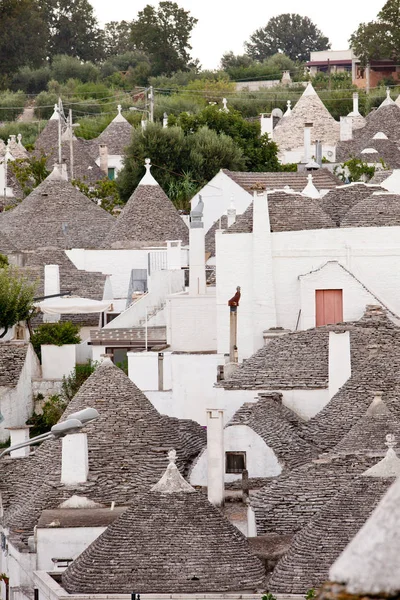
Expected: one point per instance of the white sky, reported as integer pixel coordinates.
(226, 24)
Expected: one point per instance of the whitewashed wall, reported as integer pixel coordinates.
(191, 322)
(67, 542)
(58, 361)
(372, 255)
(217, 196)
(261, 460)
(16, 404)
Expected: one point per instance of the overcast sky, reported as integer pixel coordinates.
(225, 24)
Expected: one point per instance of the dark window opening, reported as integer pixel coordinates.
(235, 462)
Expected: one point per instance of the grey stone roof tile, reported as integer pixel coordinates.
(323, 179)
(198, 549)
(380, 209)
(148, 218)
(12, 360)
(56, 214)
(339, 201)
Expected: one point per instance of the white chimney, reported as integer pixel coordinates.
(215, 457)
(103, 153)
(307, 142)
(267, 124)
(339, 361)
(197, 252)
(231, 213)
(51, 288)
(174, 254)
(18, 435)
(251, 522)
(75, 460)
(355, 104)
(346, 129)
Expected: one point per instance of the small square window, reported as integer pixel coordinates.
(235, 462)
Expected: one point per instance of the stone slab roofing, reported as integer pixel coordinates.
(289, 133)
(386, 151)
(127, 449)
(57, 215)
(116, 136)
(319, 544)
(12, 360)
(168, 543)
(380, 176)
(297, 181)
(380, 209)
(288, 211)
(278, 426)
(6, 245)
(339, 201)
(148, 218)
(287, 504)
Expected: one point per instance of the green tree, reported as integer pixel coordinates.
(29, 172)
(230, 60)
(73, 29)
(290, 33)
(117, 37)
(23, 36)
(58, 334)
(178, 159)
(163, 33)
(259, 153)
(381, 38)
(16, 298)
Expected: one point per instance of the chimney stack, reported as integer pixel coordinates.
(51, 288)
(197, 252)
(75, 460)
(307, 141)
(346, 129)
(216, 457)
(339, 361)
(231, 213)
(103, 151)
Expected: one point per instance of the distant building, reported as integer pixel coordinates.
(342, 61)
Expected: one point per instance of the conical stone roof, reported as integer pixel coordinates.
(336, 203)
(380, 209)
(116, 136)
(56, 214)
(289, 133)
(127, 449)
(171, 541)
(148, 218)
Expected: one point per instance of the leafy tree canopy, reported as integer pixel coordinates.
(381, 38)
(163, 33)
(180, 162)
(259, 153)
(16, 298)
(290, 33)
(117, 38)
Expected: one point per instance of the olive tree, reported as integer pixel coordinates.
(16, 298)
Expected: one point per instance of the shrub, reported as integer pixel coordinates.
(73, 382)
(44, 104)
(52, 411)
(63, 332)
(11, 105)
(29, 131)
(31, 81)
(69, 67)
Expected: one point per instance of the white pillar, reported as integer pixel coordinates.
(197, 252)
(267, 124)
(355, 104)
(231, 214)
(103, 153)
(264, 307)
(346, 129)
(307, 142)
(216, 457)
(18, 435)
(251, 522)
(51, 288)
(339, 361)
(75, 460)
(174, 254)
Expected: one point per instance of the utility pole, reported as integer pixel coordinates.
(151, 98)
(59, 133)
(71, 144)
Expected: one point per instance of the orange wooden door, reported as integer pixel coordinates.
(328, 307)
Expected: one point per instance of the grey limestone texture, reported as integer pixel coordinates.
(12, 360)
(339, 201)
(297, 181)
(148, 218)
(128, 445)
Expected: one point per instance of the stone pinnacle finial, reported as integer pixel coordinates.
(390, 441)
(225, 104)
(147, 164)
(119, 108)
(387, 92)
(172, 481)
(289, 104)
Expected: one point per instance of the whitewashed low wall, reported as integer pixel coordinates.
(46, 387)
(261, 460)
(68, 542)
(143, 370)
(57, 361)
(192, 322)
